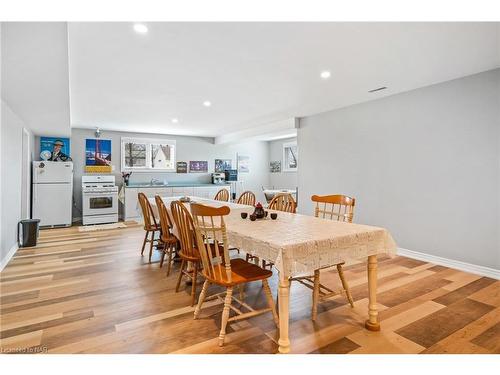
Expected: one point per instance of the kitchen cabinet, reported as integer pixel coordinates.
(131, 210)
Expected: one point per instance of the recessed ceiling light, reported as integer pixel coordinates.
(140, 28)
(325, 74)
(206, 103)
(175, 121)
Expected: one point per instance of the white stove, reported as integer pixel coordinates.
(99, 199)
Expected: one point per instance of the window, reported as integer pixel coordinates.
(162, 156)
(135, 155)
(290, 157)
(140, 154)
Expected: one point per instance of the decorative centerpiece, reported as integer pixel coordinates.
(259, 211)
(126, 177)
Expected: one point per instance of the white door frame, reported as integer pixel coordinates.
(26, 175)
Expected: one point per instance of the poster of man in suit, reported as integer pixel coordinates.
(58, 148)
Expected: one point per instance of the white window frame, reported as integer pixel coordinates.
(148, 142)
(284, 167)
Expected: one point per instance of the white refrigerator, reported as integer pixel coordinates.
(52, 192)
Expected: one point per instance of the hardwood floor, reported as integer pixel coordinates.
(92, 292)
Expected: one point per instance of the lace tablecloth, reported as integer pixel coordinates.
(299, 244)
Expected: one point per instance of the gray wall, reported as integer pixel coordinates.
(188, 148)
(424, 164)
(282, 180)
(11, 178)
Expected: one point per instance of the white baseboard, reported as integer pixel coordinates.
(456, 264)
(8, 257)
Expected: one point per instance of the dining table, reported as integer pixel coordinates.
(298, 245)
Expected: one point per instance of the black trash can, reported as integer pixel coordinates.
(27, 232)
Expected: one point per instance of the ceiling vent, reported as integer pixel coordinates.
(378, 89)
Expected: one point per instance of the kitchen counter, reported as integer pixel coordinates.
(131, 209)
(173, 184)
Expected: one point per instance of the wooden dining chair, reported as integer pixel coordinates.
(150, 224)
(283, 202)
(219, 269)
(168, 239)
(247, 198)
(222, 195)
(332, 207)
(189, 251)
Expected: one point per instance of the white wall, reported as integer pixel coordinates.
(35, 96)
(282, 180)
(424, 164)
(35, 79)
(11, 178)
(188, 148)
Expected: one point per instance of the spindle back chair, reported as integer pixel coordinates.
(219, 269)
(283, 202)
(211, 240)
(247, 198)
(222, 195)
(330, 207)
(189, 251)
(334, 207)
(150, 224)
(168, 239)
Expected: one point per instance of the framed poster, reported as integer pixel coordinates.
(198, 166)
(98, 156)
(148, 154)
(222, 164)
(243, 163)
(59, 148)
(275, 166)
(290, 157)
(182, 167)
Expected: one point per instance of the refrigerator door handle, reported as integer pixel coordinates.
(34, 199)
(19, 233)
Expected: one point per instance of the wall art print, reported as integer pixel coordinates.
(243, 163)
(222, 164)
(59, 148)
(98, 156)
(198, 166)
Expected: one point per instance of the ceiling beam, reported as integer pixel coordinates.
(275, 130)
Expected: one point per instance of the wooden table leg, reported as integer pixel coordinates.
(284, 302)
(372, 323)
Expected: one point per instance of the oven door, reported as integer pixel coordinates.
(100, 203)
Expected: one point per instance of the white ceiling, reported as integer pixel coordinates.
(257, 73)
(35, 75)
